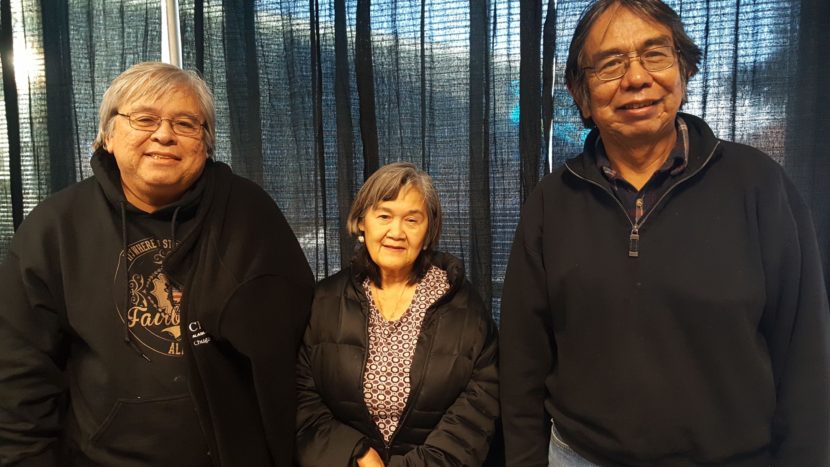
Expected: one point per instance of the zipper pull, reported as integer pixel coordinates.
(634, 243)
(639, 205)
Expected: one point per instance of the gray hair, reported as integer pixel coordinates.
(689, 53)
(385, 185)
(154, 80)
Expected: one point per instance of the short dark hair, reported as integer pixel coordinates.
(689, 53)
(385, 185)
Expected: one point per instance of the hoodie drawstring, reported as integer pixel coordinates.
(173, 226)
(127, 337)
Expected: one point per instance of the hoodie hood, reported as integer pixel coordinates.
(108, 176)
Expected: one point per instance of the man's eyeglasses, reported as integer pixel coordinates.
(615, 66)
(182, 126)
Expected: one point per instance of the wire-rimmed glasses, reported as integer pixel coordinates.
(615, 66)
(182, 126)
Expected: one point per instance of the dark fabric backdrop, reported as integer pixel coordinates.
(313, 95)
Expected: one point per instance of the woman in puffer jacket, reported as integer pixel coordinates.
(398, 364)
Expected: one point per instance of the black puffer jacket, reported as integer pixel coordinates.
(450, 415)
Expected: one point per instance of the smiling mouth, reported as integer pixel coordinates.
(638, 105)
(161, 157)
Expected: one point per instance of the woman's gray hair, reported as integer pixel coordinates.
(154, 80)
(689, 53)
(385, 185)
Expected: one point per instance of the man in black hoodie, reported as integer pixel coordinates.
(150, 315)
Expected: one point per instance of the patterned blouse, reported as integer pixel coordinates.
(391, 347)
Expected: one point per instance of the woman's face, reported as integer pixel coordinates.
(395, 231)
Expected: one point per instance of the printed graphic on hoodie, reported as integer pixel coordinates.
(153, 313)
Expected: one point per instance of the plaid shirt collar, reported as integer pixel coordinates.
(675, 164)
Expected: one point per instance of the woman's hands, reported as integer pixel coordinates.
(370, 459)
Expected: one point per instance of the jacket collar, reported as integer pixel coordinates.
(453, 266)
(701, 143)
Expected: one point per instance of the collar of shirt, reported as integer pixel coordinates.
(675, 164)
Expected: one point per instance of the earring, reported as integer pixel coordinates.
(360, 239)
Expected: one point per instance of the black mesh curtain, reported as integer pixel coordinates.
(808, 124)
(337, 88)
(57, 59)
(313, 95)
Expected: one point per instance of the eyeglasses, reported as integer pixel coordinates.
(182, 126)
(616, 66)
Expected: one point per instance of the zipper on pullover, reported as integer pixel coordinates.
(634, 235)
(634, 242)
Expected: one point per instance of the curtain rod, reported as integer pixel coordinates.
(171, 38)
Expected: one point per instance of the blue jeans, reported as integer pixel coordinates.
(561, 455)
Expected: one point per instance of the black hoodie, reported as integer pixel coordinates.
(196, 367)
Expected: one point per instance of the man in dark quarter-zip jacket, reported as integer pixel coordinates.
(150, 315)
(663, 303)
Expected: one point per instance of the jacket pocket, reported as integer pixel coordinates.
(157, 430)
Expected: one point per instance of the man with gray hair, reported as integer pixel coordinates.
(151, 314)
(664, 302)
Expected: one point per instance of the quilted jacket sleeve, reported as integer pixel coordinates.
(322, 440)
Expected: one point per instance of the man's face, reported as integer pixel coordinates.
(157, 166)
(640, 107)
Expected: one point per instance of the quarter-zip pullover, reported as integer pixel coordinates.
(696, 335)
